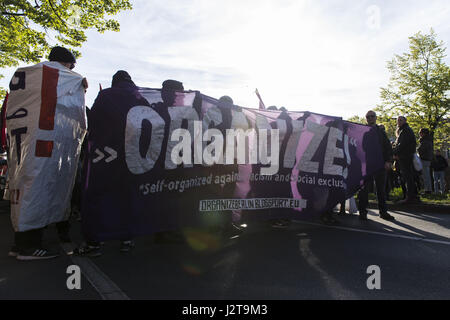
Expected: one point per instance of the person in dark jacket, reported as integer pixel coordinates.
(380, 177)
(405, 147)
(425, 150)
(121, 85)
(439, 165)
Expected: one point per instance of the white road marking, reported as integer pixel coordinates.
(375, 232)
(332, 285)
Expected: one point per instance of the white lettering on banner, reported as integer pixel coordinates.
(347, 156)
(251, 204)
(181, 152)
(263, 126)
(216, 146)
(136, 116)
(212, 117)
(274, 152)
(282, 128)
(101, 155)
(177, 115)
(291, 149)
(202, 144)
(333, 152)
(305, 164)
(19, 113)
(235, 141)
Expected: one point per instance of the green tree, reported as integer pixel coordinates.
(390, 125)
(419, 85)
(30, 28)
(357, 119)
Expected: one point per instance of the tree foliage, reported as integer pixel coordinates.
(30, 28)
(357, 119)
(419, 87)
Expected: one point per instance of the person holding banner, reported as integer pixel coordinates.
(232, 227)
(46, 121)
(121, 85)
(380, 177)
(168, 94)
(169, 91)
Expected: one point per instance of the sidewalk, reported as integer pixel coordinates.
(419, 207)
(36, 280)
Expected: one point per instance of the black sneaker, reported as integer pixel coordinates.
(239, 226)
(88, 251)
(14, 252)
(328, 220)
(281, 224)
(36, 254)
(68, 247)
(232, 231)
(126, 246)
(387, 216)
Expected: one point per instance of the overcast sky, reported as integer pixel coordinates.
(324, 56)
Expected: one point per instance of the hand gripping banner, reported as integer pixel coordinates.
(46, 123)
(152, 167)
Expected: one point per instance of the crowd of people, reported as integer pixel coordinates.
(398, 170)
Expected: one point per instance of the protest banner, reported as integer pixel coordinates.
(150, 169)
(46, 123)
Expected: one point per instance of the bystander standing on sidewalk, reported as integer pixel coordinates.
(425, 151)
(439, 165)
(379, 177)
(404, 150)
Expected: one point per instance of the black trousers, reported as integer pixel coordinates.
(33, 238)
(28, 239)
(380, 184)
(407, 172)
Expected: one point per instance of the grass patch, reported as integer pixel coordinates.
(397, 195)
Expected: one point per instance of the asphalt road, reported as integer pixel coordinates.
(305, 261)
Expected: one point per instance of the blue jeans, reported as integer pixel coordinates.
(426, 175)
(439, 181)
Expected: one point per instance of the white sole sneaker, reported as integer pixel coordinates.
(13, 254)
(38, 254)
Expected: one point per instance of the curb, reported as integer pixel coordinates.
(419, 207)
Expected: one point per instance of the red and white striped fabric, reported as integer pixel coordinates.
(46, 124)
